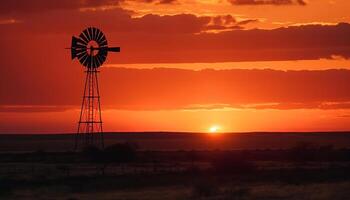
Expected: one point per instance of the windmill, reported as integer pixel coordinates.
(91, 49)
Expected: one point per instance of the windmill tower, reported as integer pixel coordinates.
(91, 49)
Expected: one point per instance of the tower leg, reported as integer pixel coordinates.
(90, 131)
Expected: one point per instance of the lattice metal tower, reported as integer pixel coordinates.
(91, 49)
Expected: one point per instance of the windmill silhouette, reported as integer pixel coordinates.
(91, 49)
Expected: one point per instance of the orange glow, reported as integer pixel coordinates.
(214, 129)
(184, 65)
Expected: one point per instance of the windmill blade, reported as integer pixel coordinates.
(82, 58)
(73, 53)
(81, 54)
(89, 30)
(74, 42)
(90, 61)
(87, 61)
(78, 41)
(80, 51)
(99, 35)
(95, 31)
(98, 59)
(79, 48)
(94, 62)
(84, 38)
(76, 47)
(102, 40)
(86, 33)
(97, 62)
(103, 57)
(103, 43)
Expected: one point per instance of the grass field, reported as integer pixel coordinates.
(178, 141)
(296, 168)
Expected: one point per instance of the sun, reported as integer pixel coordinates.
(214, 129)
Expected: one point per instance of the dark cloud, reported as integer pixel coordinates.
(36, 108)
(307, 105)
(120, 20)
(15, 8)
(247, 21)
(20, 7)
(160, 1)
(181, 38)
(179, 45)
(226, 23)
(267, 2)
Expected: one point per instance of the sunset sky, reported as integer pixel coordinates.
(184, 65)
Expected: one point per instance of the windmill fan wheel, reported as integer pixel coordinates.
(90, 47)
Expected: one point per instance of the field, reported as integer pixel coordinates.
(178, 141)
(178, 166)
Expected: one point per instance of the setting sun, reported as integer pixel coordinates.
(214, 129)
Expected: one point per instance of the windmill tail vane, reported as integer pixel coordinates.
(91, 49)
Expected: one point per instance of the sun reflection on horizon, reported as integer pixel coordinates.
(214, 129)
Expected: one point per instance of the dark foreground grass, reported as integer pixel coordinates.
(207, 184)
(300, 173)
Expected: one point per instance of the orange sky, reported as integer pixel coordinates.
(185, 65)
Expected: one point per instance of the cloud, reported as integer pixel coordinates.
(22, 7)
(148, 24)
(322, 89)
(34, 108)
(19, 7)
(154, 38)
(168, 89)
(268, 2)
(159, 1)
(290, 43)
(322, 105)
